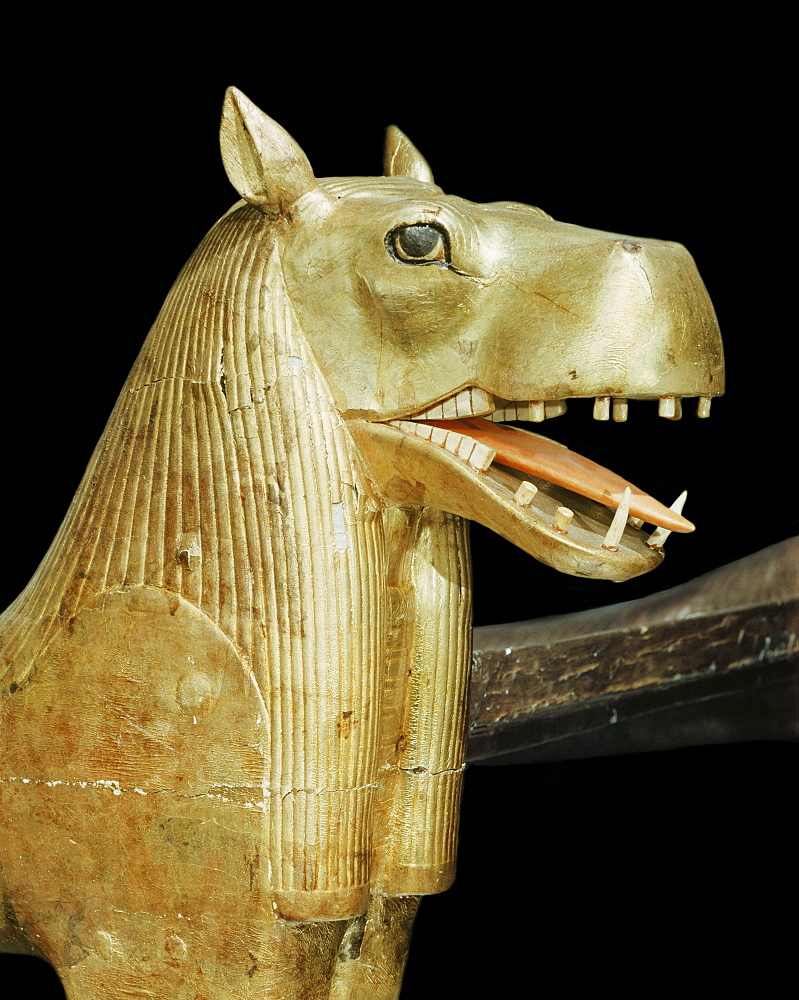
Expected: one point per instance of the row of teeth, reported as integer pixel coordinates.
(479, 456)
(475, 402)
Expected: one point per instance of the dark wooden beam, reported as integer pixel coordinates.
(715, 660)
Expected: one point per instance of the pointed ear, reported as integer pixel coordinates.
(264, 164)
(402, 158)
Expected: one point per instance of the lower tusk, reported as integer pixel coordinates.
(616, 529)
(658, 537)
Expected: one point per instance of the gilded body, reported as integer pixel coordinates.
(234, 691)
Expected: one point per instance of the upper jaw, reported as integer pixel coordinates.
(473, 401)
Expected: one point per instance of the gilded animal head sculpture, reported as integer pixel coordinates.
(234, 691)
(489, 311)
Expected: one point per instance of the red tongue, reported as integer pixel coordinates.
(538, 456)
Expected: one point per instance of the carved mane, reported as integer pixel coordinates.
(226, 476)
(224, 372)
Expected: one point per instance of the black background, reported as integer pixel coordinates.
(625, 872)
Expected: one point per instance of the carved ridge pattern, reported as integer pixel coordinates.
(178, 441)
(215, 457)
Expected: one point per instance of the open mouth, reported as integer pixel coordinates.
(569, 512)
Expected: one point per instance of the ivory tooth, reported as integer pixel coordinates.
(537, 411)
(670, 407)
(620, 408)
(703, 406)
(616, 528)
(478, 455)
(482, 401)
(463, 403)
(635, 522)
(481, 456)
(410, 427)
(563, 519)
(449, 408)
(525, 494)
(453, 443)
(658, 537)
(534, 410)
(602, 408)
(470, 402)
(554, 408)
(461, 446)
(474, 453)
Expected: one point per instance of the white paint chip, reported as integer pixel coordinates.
(341, 536)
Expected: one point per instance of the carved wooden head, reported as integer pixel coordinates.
(420, 306)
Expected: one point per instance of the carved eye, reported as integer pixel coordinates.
(420, 244)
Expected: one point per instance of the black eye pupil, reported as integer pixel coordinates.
(418, 241)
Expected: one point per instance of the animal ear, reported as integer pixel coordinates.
(402, 158)
(264, 164)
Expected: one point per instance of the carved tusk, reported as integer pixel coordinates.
(659, 535)
(616, 528)
(563, 518)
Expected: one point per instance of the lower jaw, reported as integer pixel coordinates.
(412, 471)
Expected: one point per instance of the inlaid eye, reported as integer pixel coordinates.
(423, 243)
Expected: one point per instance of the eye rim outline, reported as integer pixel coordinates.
(446, 262)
